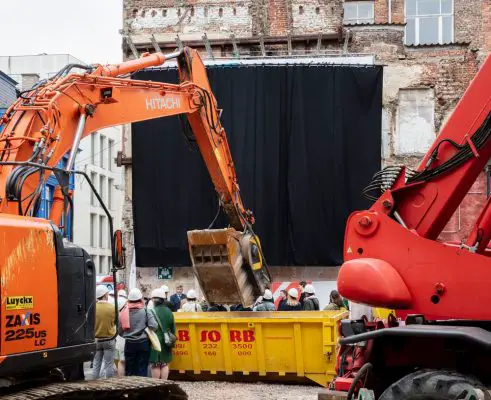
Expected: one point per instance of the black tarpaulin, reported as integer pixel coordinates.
(305, 141)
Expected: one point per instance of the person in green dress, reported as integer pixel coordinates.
(160, 360)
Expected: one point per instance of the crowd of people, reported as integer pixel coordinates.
(130, 349)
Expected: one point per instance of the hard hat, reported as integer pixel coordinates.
(192, 294)
(293, 293)
(158, 293)
(165, 288)
(267, 294)
(122, 293)
(101, 291)
(135, 295)
(309, 289)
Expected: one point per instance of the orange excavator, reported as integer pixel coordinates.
(48, 284)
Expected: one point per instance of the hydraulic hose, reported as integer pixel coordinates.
(361, 372)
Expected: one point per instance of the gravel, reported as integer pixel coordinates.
(247, 391)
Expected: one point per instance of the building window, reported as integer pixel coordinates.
(415, 121)
(102, 265)
(110, 153)
(102, 231)
(93, 230)
(102, 149)
(358, 12)
(92, 148)
(102, 187)
(93, 199)
(429, 22)
(110, 187)
(95, 261)
(109, 262)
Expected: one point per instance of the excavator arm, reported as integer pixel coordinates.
(49, 120)
(392, 256)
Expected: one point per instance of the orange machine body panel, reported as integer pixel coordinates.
(29, 294)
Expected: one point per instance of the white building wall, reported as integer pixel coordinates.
(45, 65)
(96, 157)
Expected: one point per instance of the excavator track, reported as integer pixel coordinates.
(112, 388)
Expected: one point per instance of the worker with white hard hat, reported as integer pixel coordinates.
(160, 360)
(105, 331)
(133, 320)
(120, 342)
(310, 302)
(266, 302)
(165, 291)
(292, 302)
(192, 304)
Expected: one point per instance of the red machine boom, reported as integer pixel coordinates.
(392, 257)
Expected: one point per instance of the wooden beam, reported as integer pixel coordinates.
(234, 45)
(208, 46)
(254, 40)
(131, 45)
(261, 43)
(155, 44)
(319, 42)
(179, 42)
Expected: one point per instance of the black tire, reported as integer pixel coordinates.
(436, 385)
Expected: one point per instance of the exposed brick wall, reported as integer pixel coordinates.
(486, 26)
(468, 22)
(381, 11)
(386, 41)
(447, 70)
(472, 204)
(193, 20)
(317, 16)
(278, 17)
(398, 16)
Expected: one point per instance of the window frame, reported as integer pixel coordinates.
(357, 20)
(417, 18)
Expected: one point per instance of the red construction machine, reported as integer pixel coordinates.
(393, 260)
(47, 284)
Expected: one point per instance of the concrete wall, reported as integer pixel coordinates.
(435, 76)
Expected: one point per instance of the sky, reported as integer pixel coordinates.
(86, 29)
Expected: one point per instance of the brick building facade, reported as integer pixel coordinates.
(431, 50)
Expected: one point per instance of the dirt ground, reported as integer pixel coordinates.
(248, 391)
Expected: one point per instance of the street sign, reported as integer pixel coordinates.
(164, 273)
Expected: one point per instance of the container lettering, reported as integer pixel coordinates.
(244, 336)
(212, 336)
(183, 336)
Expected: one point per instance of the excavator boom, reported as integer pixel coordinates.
(49, 120)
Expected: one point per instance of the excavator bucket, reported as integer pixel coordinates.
(220, 262)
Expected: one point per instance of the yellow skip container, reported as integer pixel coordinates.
(257, 346)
